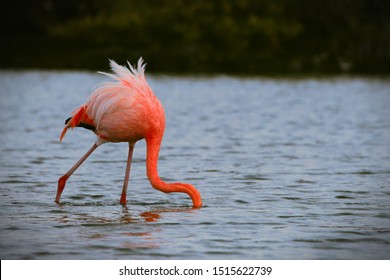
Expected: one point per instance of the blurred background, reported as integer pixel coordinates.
(178, 36)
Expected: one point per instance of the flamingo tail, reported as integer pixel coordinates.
(78, 119)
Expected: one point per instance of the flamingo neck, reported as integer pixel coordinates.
(152, 150)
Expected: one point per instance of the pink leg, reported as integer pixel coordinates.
(127, 174)
(62, 180)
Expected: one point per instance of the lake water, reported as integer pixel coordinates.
(288, 169)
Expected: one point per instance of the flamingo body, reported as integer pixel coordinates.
(126, 110)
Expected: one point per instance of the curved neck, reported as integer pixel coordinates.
(152, 150)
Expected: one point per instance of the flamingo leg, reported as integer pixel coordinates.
(62, 180)
(127, 174)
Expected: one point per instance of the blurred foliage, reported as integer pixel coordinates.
(182, 36)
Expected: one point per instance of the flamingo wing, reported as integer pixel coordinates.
(118, 110)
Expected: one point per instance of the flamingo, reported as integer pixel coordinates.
(125, 110)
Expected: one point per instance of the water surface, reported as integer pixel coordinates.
(288, 169)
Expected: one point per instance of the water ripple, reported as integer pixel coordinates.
(287, 169)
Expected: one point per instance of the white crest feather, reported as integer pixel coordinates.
(124, 73)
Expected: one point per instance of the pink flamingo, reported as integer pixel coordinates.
(126, 110)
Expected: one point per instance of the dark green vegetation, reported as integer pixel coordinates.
(233, 36)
